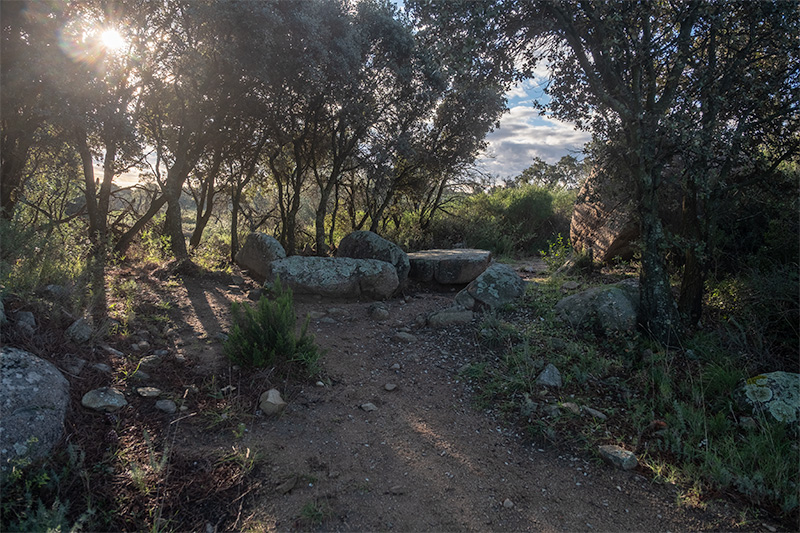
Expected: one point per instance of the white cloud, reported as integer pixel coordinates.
(523, 135)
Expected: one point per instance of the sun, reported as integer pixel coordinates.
(112, 40)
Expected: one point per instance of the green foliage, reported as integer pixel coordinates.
(558, 251)
(761, 312)
(506, 220)
(264, 335)
(31, 258)
(33, 496)
(155, 245)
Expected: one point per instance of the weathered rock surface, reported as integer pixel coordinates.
(258, 251)
(449, 267)
(33, 401)
(26, 323)
(80, 331)
(604, 220)
(602, 309)
(104, 399)
(497, 285)
(619, 457)
(378, 311)
(369, 245)
(338, 277)
(449, 317)
(550, 377)
(776, 394)
(271, 402)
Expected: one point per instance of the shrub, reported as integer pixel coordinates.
(265, 335)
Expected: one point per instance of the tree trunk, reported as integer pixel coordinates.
(690, 303)
(658, 314)
(127, 238)
(173, 223)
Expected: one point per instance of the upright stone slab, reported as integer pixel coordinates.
(33, 401)
(258, 252)
(449, 267)
(337, 277)
(369, 245)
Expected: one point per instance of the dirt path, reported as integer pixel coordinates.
(425, 459)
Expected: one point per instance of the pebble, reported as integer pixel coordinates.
(595, 413)
(369, 407)
(271, 402)
(168, 406)
(148, 392)
(320, 384)
(508, 504)
(397, 490)
(390, 387)
(102, 367)
(403, 336)
(395, 366)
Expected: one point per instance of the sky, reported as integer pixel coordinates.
(524, 134)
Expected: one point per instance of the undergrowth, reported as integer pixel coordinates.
(265, 335)
(675, 408)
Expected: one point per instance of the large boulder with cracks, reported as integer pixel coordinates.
(369, 245)
(33, 402)
(336, 277)
(258, 252)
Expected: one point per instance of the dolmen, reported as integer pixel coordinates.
(370, 267)
(367, 266)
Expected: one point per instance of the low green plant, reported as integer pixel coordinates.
(265, 335)
(316, 511)
(558, 251)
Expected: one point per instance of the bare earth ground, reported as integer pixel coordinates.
(425, 460)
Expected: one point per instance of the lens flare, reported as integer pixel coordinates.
(112, 40)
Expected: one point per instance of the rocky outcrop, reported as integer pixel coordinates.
(604, 219)
(33, 401)
(337, 277)
(497, 285)
(257, 254)
(449, 267)
(602, 309)
(369, 245)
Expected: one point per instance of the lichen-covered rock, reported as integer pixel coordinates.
(33, 401)
(338, 277)
(258, 252)
(497, 285)
(80, 331)
(104, 399)
(776, 395)
(449, 317)
(619, 457)
(369, 245)
(603, 309)
(449, 267)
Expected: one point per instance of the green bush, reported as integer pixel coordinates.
(506, 220)
(265, 335)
